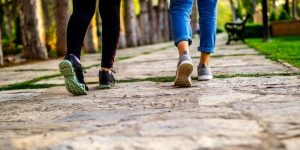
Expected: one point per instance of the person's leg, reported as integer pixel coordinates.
(110, 15)
(180, 11)
(83, 11)
(70, 67)
(208, 18)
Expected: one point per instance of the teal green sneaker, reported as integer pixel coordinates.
(72, 71)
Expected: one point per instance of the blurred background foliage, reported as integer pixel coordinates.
(31, 31)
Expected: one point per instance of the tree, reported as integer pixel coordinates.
(61, 17)
(164, 20)
(250, 7)
(1, 20)
(153, 22)
(32, 44)
(1, 52)
(48, 22)
(233, 10)
(99, 28)
(8, 16)
(295, 13)
(130, 24)
(287, 7)
(144, 22)
(195, 18)
(122, 38)
(91, 40)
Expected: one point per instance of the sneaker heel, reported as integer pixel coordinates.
(65, 68)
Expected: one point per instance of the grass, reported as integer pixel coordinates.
(123, 58)
(233, 55)
(286, 48)
(218, 76)
(32, 83)
(26, 85)
(280, 48)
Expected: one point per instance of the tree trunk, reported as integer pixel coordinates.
(274, 4)
(153, 22)
(1, 20)
(144, 22)
(47, 20)
(99, 28)
(160, 19)
(33, 47)
(1, 52)
(295, 13)
(61, 17)
(7, 16)
(40, 18)
(91, 40)
(136, 4)
(130, 24)
(195, 19)
(122, 37)
(287, 6)
(233, 10)
(46, 14)
(166, 29)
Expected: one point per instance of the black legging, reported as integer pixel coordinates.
(83, 11)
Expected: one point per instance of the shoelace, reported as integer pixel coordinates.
(80, 71)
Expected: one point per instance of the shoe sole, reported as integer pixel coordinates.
(184, 72)
(105, 86)
(71, 82)
(109, 86)
(205, 77)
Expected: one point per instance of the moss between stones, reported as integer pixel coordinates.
(19, 86)
(21, 70)
(32, 83)
(233, 55)
(255, 75)
(219, 76)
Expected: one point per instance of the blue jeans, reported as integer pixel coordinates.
(180, 12)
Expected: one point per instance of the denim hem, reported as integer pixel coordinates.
(206, 50)
(176, 41)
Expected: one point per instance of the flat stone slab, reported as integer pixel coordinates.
(152, 65)
(248, 113)
(13, 77)
(231, 113)
(19, 95)
(150, 61)
(21, 73)
(88, 59)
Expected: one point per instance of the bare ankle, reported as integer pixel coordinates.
(204, 58)
(107, 69)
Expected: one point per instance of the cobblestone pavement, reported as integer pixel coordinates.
(253, 103)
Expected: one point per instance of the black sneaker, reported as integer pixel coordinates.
(72, 71)
(106, 79)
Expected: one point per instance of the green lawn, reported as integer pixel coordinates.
(285, 48)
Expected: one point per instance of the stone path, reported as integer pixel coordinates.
(253, 103)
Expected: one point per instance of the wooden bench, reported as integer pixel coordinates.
(235, 30)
